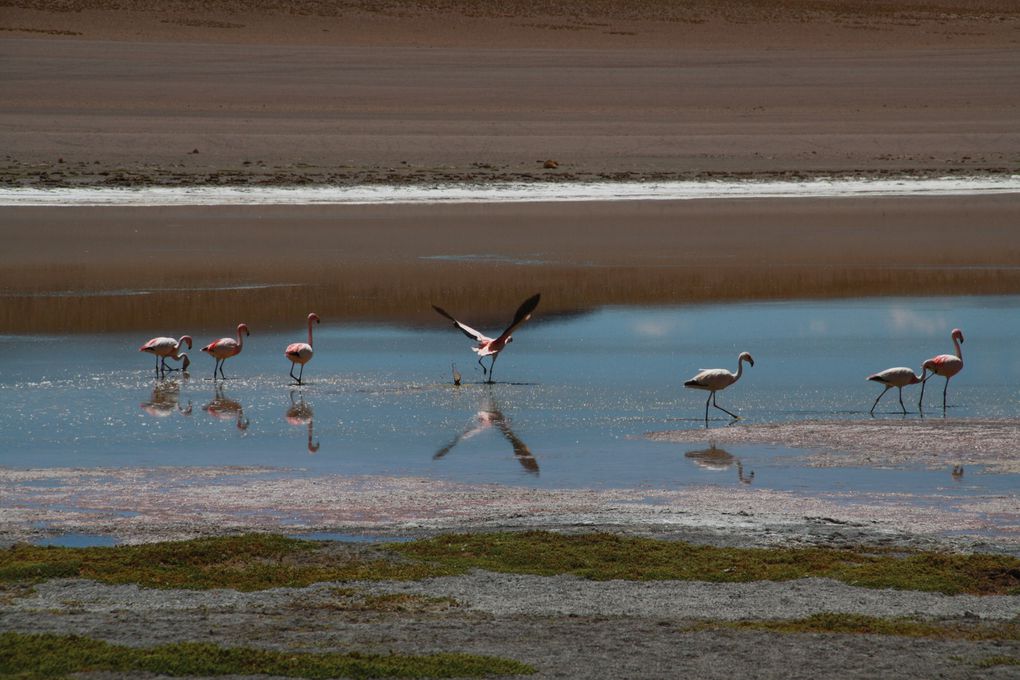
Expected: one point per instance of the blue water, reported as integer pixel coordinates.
(573, 400)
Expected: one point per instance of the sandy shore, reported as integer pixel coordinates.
(426, 90)
(106, 268)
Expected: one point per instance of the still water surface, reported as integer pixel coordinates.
(573, 400)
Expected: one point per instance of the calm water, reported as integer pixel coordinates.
(573, 400)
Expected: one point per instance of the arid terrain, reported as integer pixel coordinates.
(181, 93)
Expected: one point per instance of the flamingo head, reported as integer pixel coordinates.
(928, 366)
(313, 317)
(744, 356)
(185, 362)
(186, 339)
(957, 335)
(243, 327)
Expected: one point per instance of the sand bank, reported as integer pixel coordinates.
(114, 268)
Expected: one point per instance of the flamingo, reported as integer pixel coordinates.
(224, 348)
(715, 379)
(488, 346)
(898, 377)
(946, 365)
(167, 347)
(301, 352)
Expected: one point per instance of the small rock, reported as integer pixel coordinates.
(550, 165)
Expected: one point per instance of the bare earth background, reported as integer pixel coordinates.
(181, 92)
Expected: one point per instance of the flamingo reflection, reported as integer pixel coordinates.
(166, 400)
(299, 414)
(491, 416)
(224, 408)
(718, 460)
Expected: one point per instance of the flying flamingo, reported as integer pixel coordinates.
(167, 347)
(224, 348)
(487, 346)
(301, 352)
(898, 377)
(946, 365)
(715, 379)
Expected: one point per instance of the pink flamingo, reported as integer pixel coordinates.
(301, 352)
(946, 365)
(492, 347)
(167, 347)
(715, 379)
(898, 377)
(224, 348)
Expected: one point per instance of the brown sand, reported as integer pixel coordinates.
(82, 269)
(452, 90)
(139, 92)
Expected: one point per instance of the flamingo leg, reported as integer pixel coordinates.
(901, 401)
(707, 402)
(491, 366)
(944, 390)
(485, 371)
(734, 415)
(222, 374)
(882, 395)
(300, 373)
(215, 366)
(919, 401)
(298, 380)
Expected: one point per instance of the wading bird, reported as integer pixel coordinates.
(487, 346)
(898, 377)
(164, 348)
(715, 379)
(301, 352)
(224, 348)
(946, 365)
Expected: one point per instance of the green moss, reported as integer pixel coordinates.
(608, 556)
(259, 561)
(249, 562)
(857, 624)
(55, 656)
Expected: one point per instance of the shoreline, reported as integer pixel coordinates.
(488, 192)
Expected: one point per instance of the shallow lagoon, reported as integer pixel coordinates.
(574, 397)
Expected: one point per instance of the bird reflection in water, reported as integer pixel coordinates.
(166, 400)
(299, 413)
(224, 408)
(488, 416)
(718, 460)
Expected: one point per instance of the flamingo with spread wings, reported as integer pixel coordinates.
(489, 347)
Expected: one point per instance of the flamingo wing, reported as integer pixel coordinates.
(522, 314)
(711, 379)
(521, 450)
(464, 328)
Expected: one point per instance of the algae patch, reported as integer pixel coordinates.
(31, 656)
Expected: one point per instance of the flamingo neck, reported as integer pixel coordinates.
(310, 333)
(240, 339)
(740, 369)
(959, 350)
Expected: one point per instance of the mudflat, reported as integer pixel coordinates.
(144, 93)
(108, 268)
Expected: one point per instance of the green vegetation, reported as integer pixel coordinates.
(857, 624)
(607, 556)
(55, 656)
(259, 561)
(249, 562)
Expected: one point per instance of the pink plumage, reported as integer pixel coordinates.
(301, 352)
